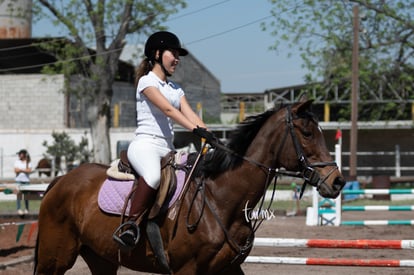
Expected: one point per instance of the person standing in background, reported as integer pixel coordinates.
(23, 168)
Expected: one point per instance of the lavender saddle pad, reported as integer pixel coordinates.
(113, 193)
(112, 196)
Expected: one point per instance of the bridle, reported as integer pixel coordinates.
(306, 171)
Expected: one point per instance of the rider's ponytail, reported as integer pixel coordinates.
(144, 68)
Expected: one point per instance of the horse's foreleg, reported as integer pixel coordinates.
(189, 268)
(49, 264)
(57, 250)
(97, 264)
(233, 270)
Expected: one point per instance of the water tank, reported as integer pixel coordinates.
(15, 19)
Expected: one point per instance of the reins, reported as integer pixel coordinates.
(307, 172)
(271, 173)
(276, 171)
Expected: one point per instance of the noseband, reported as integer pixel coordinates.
(308, 173)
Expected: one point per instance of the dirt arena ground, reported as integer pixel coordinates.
(279, 227)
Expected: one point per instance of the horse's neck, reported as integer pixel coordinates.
(252, 180)
(241, 186)
(248, 183)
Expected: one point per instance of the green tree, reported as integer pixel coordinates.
(64, 146)
(103, 26)
(323, 32)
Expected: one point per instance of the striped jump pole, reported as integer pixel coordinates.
(378, 208)
(324, 243)
(379, 222)
(378, 191)
(327, 261)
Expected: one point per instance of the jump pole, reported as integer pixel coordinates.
(379, 191)
(324, 243)
(379, 222)
(378, 208)
(326, 261)
(338, 200)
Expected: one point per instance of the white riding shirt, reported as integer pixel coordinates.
(154, 132)
(150, 119)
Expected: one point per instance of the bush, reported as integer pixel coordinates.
(64, 146)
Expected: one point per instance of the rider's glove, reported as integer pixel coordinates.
(204, 133)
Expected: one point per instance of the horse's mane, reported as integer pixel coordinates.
(54, 181)
(219, 160)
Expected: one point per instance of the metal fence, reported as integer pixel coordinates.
(392, 163)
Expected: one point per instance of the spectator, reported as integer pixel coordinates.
(22, 168)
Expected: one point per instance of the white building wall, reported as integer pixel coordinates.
(32, 101)
(32, 106)
(12, 140)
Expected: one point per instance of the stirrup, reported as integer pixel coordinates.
(125, 231)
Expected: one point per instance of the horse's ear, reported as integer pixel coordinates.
(304, 105)
(277, 105)
(303, 97)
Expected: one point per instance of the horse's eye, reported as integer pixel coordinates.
(306, 134)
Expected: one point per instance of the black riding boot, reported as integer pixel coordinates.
(142, 199)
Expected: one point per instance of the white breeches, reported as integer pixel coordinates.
(145, 153)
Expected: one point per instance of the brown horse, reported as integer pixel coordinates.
(210, 234)
(44, 166)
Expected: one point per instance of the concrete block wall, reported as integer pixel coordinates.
(32, 101)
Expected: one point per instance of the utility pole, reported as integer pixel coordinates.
(354, 95)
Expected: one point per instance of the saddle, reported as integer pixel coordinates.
(122, 170)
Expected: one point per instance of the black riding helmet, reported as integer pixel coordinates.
(163, 40)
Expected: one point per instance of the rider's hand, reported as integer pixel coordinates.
(205, 134)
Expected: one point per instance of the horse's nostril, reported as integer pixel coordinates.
(338, 184)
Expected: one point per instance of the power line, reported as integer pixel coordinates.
(172, 19)
(184, 15)
(58, 61)
(230, 30)
(199, 10)
(31, 44)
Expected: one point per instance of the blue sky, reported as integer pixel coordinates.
(239, 58)
(223, 36)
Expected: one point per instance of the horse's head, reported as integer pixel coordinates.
(302, 148)
(290, 138)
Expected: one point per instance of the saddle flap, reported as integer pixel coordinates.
(167, 186)
(171, 181)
